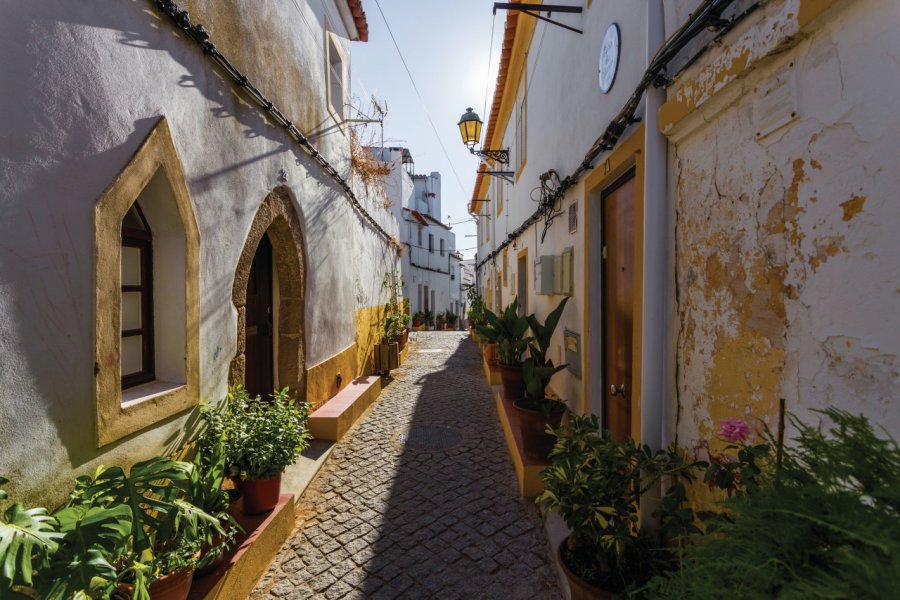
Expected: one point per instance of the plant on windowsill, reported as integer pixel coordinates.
(508, 331)
(594, 483)
(261, 437)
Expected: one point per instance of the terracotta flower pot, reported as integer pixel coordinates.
(535, 439)
(490, 354)
(261, 495)
(404, 339)
(217, 541)
(172, 586)
(580, 589)
(513, 381)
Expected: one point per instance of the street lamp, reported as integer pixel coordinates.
(470, 130)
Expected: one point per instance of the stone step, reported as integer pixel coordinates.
(334, 418)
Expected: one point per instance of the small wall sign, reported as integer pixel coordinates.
(609, 58)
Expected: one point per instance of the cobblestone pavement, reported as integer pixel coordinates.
(386, 519)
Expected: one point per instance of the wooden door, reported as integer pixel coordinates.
(522, 280)
(618, 304)
(259, 331)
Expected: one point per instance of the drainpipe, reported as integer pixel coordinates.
(656, 288)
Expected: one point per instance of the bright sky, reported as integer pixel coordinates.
(446, 47)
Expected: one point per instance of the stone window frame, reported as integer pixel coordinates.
(153, 402)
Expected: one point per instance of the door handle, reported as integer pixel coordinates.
(617, 390)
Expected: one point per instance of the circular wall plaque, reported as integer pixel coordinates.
(609, 58)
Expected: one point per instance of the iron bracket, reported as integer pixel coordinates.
(500, 156)
(535, 9)
(507, 176)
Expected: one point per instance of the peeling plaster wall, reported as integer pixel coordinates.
(83, 84)
(788, 277)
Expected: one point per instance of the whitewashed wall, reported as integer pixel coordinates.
(83, 83)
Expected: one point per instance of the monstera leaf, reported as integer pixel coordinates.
(95, 536)
(27, 538)
(149, 490)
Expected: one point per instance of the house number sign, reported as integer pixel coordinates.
(609, 58)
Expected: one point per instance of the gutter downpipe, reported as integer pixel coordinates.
(656, 289)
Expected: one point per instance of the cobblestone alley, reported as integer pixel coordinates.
(420, 499)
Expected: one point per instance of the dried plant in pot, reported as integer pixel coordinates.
(261, 438)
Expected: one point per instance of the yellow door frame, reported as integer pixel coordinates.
(629, 153)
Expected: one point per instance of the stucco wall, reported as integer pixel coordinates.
(83, 85)
(786, 242)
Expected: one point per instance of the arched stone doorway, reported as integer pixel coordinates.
(276, 220)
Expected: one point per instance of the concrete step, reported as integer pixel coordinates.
(334, 418)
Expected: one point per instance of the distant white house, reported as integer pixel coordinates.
(430, 265)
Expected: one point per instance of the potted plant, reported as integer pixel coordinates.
(536, 410)
(206, 492)
(440, 319)
(261, 439)
(418, 319)
(395, 329)
(594, 483)
(509, 334)
(450, 320)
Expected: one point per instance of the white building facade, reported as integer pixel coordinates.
(430, 266)
(169, 231)
(724, 238)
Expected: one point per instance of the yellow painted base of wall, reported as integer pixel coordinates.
(404, 354)
(492, 376)
(356, 359)
(528, 473)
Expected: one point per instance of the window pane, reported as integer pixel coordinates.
(132, 356)
(131, 265)
(131, 310)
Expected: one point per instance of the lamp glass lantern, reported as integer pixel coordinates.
(470, 128)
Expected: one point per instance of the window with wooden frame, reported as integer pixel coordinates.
(505, 267)
(499, 195)
(521, 109)
(334, 69)
(137, 299)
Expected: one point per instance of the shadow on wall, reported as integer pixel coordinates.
(49, 292)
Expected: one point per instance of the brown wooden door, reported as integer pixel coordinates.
(618, 304)
(259, 350)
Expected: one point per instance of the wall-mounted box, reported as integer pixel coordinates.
(563, 273)
(543, 275)
(572, 344)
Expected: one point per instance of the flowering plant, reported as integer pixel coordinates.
(739, 468)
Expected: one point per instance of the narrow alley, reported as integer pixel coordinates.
(420, 499)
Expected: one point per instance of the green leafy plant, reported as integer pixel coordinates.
(419, 318)
(206, 493)
(476, 307)
(827, 527)
(441, 319)
(594, 483)
(538, 369)
(260, 437)
(508, 332)
(28, 537)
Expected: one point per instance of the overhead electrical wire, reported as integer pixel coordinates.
(198, 34)
(421, 99)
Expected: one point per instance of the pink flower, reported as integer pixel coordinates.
(734, 430)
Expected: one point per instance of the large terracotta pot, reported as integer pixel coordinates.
(489, 351)
(535, 439)
(174, 586)
(580, 589)
(404, 339)
(513, 381)
(261, 495)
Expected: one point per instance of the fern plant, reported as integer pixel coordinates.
(829, 527)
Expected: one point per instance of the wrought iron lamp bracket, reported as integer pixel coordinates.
(500, 156)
